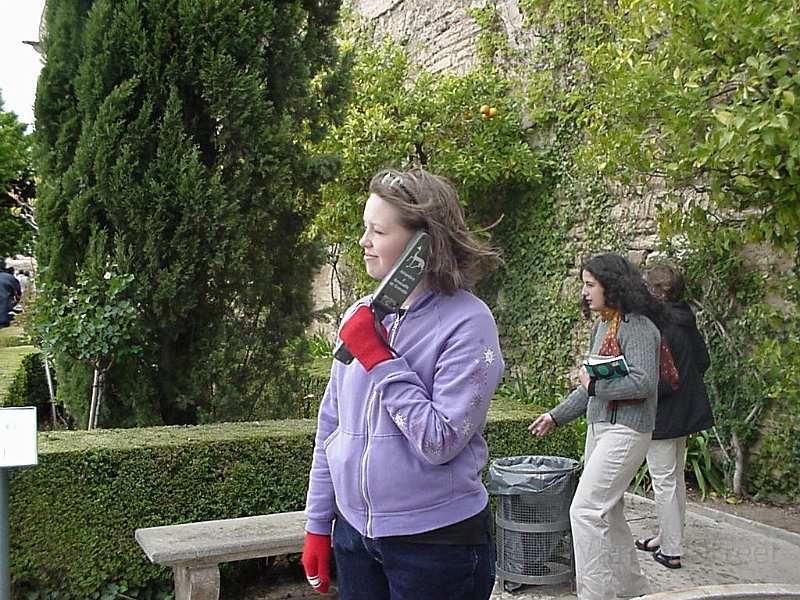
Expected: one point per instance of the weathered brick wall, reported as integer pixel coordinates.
(440, 35)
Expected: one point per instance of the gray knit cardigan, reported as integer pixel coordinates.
(639, 340)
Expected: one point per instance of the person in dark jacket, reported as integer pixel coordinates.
(680, 412)
(10, 293)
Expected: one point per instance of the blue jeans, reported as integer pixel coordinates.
(395, 569)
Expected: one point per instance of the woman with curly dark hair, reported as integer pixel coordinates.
(621, 413)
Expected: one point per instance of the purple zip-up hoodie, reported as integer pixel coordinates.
(400, 450)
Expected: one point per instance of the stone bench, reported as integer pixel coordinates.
(195, 550)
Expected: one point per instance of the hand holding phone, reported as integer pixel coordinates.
(396, 287)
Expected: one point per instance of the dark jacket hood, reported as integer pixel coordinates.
(682, 314)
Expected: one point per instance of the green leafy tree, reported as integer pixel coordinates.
(16, 187)
(171, 143)
(90, 322)
(401, 116)
(702, 99)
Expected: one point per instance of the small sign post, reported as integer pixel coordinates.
(18, 448)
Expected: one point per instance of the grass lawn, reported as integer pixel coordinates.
(12, 349)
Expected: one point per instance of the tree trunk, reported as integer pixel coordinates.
(101, 383)
(49, 377)
(93, 404)
(738, 468)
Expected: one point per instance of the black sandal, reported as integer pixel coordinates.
(645, 545)
(671, 562)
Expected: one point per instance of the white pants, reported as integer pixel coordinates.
(606, 565)
(665, 461)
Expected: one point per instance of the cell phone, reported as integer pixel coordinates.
(396, 286)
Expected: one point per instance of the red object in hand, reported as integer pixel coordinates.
(363, 340)
(317, 560)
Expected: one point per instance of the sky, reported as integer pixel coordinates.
(19, 63)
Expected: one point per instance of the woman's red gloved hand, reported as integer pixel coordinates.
(317, 560)
(362, 339)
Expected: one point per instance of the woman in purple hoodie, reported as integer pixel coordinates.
(395, 488)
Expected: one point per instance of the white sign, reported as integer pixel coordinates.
(18, 437)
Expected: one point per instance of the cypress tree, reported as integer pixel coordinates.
(172, 138)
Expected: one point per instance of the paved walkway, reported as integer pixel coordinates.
(719, 549)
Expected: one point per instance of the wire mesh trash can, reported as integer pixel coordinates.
(532, 528)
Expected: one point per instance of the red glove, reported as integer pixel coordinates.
(317, 560)
(362, 339)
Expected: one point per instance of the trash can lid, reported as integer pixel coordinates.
(536, 464)
(521, 474)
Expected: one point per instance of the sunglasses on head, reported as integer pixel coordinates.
(396, 182)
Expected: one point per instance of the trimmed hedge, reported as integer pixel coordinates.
(29, 387)
(73, 516)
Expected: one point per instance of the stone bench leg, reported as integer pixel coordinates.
(196, 583)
